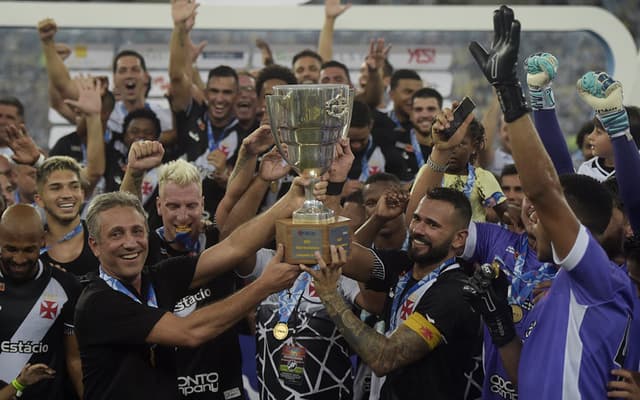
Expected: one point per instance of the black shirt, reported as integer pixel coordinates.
(69, 145)
(441, 373)
(117, 363)
(34, 317)
(214, 369)
(86, 262)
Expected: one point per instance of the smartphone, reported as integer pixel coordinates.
(461, 112)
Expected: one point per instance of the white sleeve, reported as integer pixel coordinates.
(263, 256)
(349, 288)
(577, 251)
(470, 244)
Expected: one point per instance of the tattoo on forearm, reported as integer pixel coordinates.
(240, 163)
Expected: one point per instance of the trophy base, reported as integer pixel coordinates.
(302, 240)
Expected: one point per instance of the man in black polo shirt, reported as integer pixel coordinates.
(431, 332)
(36, 309)
(126, 330)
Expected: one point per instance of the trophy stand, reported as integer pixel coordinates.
(314, 227)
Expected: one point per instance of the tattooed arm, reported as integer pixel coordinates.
(383, 354)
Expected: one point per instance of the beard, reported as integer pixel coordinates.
(433, 255)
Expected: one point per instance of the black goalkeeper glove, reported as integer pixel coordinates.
(486, 292)
(499, 65)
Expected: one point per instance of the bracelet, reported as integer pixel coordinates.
(436, 167)
(19, 387)
(335, 188)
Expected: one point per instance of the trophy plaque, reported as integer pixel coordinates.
(307, 121)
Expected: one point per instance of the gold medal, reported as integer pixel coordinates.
(273, 186)
(280, 331)
(517, 313)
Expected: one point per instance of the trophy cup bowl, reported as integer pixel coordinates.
(307, 121)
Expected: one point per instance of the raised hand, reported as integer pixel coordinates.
(217, 159)
(392, 203)
(265, 50)
(196, 49)
(258, 141)
(541, 69)
(442, 122)
(333, 8)
(47, 29)
(342, 161)
(25, 150)
(89, 91)
(499, 64)
(325, 279)
(63, 50)
(273, 166)
(279, 275)
(604, 94)
(184, 12)
(145, 155)
(378, 53)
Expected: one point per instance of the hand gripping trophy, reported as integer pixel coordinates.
(307, 122)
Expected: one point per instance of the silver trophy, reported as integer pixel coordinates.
(307, 121)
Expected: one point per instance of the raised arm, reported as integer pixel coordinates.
(144, 155)
(541, 70)
(537, 173)
(90, 104)
(332, 10)
(56, 70)
(604, 95)
(372, 93)
(183, 13)
(243, 171)
(432, 172)
(390, 206)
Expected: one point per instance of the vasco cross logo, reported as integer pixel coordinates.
(48, 309)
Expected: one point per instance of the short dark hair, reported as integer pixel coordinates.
(223, 71)
(337, 64)
(13, 101)
(634, 122)
(384, 177)
(131, 53)
(274, 71)
(108, 100)
(403, 74)
(590, 201)
(353, 197)
(144, 113)
(428, 93)
(306, 53)
(509, 169)
(361, 115)
(476, 130)
(457, 199)
(585, 129)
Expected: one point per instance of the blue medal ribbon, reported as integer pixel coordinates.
(213, 143)
(471, 180)
(68, 236)
(522, 284)
(288, 299)
(400, 297)
(417, 150)
(115, 284)
(184, 238)
(394, 118)
(364, 174)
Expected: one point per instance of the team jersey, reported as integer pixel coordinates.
(579, 331)
(34, 317)
(197, 137)
(212, 370)
(433, 308)
(116, 119)
(596, 169)
(368, 162)
(323, 369)
(481, 188)
(86, 262)
(489, 243)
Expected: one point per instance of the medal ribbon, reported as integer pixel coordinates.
(522, 284)
(213, 143)
(67, 236)
(364, 173)
(288, 299)
(417, 150)
(118, 286)
(399, 298)
(185, 239)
